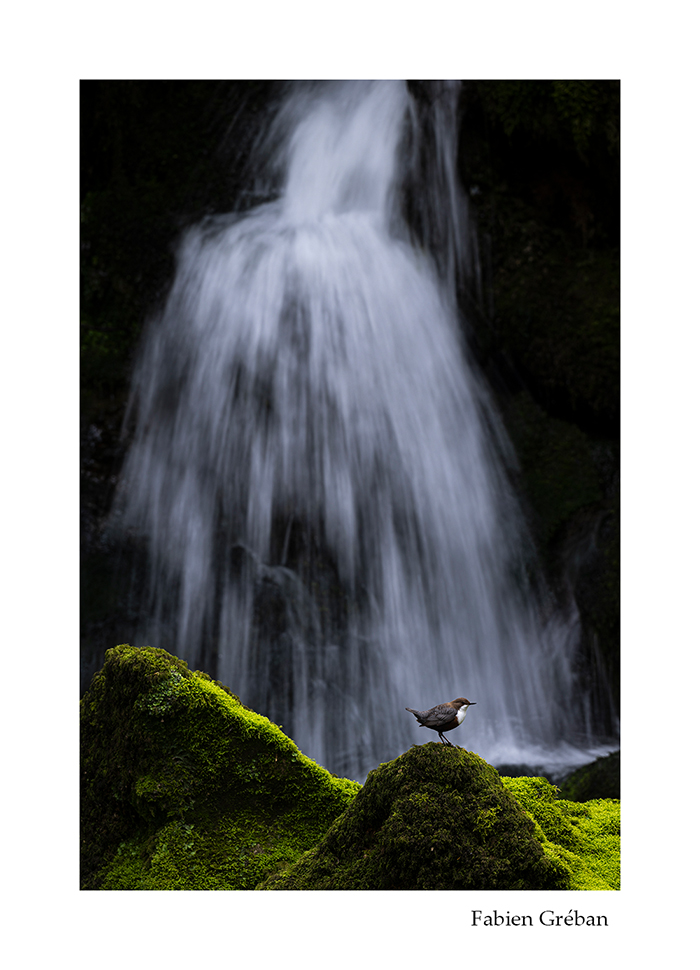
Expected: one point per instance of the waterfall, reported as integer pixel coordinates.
(317, 471)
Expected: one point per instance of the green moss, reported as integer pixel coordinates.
(183, 787)
(584, 837)
(237, 853)
(434, 818)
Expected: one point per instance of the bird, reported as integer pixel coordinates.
(443, 717)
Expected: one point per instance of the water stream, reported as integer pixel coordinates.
(318, 471)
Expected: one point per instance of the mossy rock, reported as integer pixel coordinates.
(434, 818)
(583, 836)
(183, 787)
(599, 779)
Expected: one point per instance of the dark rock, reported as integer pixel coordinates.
(600, 779)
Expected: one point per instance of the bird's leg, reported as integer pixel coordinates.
(444, 740)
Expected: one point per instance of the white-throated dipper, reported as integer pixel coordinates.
(443, 717)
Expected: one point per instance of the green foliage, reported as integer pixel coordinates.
(583, 836)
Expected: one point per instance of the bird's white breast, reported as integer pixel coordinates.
(461, 712)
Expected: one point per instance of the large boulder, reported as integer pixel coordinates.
(437, 817)
(183, 787)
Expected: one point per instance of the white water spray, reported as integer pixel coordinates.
(319, 473)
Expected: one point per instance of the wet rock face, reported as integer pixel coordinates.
(434, 818)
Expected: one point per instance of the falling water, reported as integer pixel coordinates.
(317, 469)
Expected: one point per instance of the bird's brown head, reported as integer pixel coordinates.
(461, 701)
